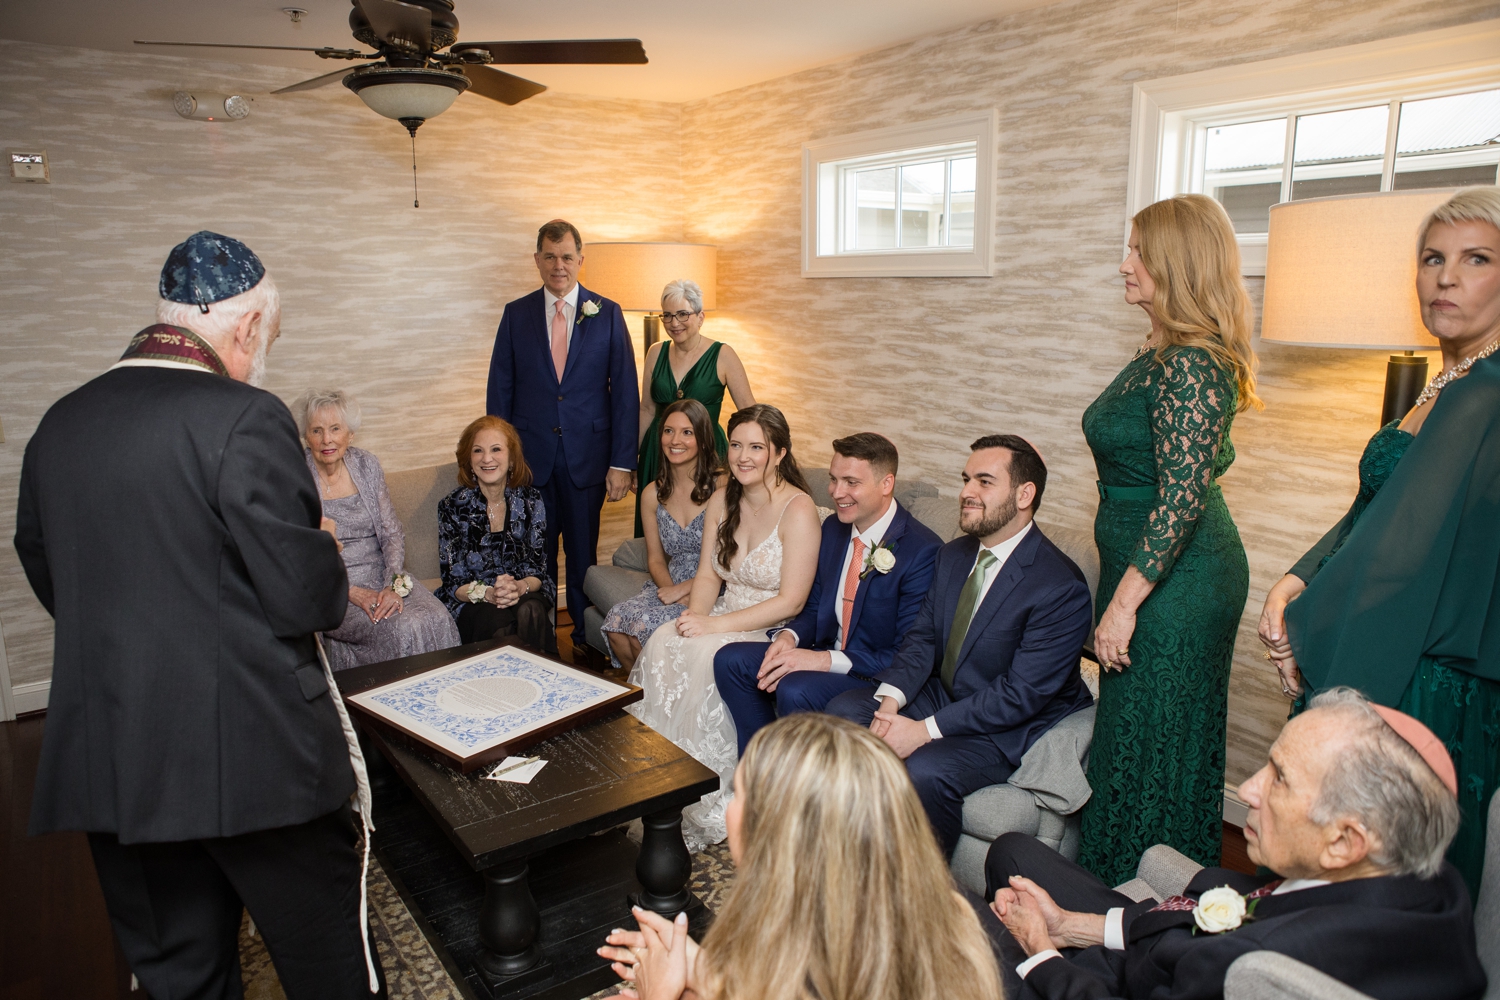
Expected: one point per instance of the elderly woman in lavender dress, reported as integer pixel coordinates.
(672, 509)
(390, 614)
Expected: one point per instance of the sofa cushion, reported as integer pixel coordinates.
(415, 494)
(998, 809)
(631, 555)
(607, 586)
(939, 514)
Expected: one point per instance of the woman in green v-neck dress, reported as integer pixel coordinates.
(1400, 598)
(708, 368)
(1173, 577)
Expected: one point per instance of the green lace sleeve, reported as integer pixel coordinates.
(1192, 401)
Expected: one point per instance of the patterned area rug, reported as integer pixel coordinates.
(413, 970)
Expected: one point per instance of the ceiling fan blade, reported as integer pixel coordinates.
(325, 51)
(582, 50)
(403, 25)
(499, 85)
(315, 82)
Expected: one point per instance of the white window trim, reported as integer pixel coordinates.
(1165, 142)
(978, 261)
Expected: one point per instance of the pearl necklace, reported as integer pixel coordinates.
(1440, 381)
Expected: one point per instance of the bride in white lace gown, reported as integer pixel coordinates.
(764, 553)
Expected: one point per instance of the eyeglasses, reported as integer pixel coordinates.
(678, 318)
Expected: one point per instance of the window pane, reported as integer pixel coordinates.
(1448, 141)
(922, 203)
(1242, 171)
(1340, 152)
(875, 200)
(961, 203)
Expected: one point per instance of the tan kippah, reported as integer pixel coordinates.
(1425, 742)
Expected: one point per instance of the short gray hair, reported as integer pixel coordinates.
(1381, 781)
(313, 400)
(222, 317)
(1475, 204)
(689, 291)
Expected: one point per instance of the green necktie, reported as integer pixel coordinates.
(968, 600)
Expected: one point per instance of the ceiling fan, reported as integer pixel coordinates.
(410, 79)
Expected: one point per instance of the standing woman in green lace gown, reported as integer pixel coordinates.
(1173, 578)
(688, 366)
(1401, 599)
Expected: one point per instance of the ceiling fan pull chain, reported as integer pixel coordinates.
(414, 202)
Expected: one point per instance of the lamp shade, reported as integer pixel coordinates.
(1342, 271)
(407, 93)
(633, 274)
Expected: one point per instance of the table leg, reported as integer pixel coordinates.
(663, 866)
(508, 923)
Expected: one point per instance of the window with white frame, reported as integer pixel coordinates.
(1421, 111)
(900, 201)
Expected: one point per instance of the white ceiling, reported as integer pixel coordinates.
(696, 48)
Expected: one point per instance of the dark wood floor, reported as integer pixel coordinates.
(55, 938)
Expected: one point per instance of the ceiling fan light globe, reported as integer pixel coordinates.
(407, 93)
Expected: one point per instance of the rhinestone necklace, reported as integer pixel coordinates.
(1440, 381)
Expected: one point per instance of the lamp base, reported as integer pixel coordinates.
(1405, 376)
(651, 329)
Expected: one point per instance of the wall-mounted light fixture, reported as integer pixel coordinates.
(633, 274)
(1342, 272)
(211, 107)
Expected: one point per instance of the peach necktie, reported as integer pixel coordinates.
(851, 586)
(559, 340)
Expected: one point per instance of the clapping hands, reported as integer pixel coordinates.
(660, 959)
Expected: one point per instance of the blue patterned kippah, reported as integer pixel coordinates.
(207, 268)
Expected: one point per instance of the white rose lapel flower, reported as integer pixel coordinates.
(589, 308)
(1221, 910)
(882, 559)
(401, 584)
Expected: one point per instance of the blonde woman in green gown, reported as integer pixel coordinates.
(686, 366)
(1173, 576)
(1401, 599)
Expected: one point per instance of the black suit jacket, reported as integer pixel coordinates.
(167, 521)
(1017, 673)
(1395, 938)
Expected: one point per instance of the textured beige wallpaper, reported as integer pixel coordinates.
(934, 363)
(399, 305)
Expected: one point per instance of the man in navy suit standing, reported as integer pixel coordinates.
(563, 373)
(991, 662)
(874, 568)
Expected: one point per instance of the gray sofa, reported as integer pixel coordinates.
(1044, 795)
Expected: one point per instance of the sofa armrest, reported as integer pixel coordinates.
(1166, 870)
(1270, 975)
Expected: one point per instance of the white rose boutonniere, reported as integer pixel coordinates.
(401, 584)
(589, 308)
(882, 559)
(1219, 910)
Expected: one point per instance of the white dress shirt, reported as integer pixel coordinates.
(1114, 924)
(1001, 552)
(871, 536)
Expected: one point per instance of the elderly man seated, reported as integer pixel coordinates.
(1353, 812)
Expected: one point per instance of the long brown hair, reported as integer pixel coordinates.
(829, 816)
(779, 437)
(705, 466)
(1190, 252)
(520, 472)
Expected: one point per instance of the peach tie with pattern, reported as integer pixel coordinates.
(851, 585)
(559, 340)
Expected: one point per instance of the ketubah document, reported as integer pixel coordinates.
(475, 708)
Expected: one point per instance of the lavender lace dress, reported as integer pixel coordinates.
(645, 613)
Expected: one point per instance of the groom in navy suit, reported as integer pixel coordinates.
(563, 374)
(874, 568)
(991, 662)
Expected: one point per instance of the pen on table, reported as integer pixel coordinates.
(514, 767)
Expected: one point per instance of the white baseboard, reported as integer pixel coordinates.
(30, 697)
(1235, 809)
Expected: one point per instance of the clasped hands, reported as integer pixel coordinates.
(782, 657)
(1038, 923)
(901, 734)
(505, 591)
(660, 959)
(379, 605)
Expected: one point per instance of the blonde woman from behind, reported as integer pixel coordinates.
(841, 892)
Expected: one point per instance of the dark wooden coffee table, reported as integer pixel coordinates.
(598, 777)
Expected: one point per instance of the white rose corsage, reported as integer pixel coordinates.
(589, 308)
(476, 591)
(881, 559)
(401, 584)
(1221, 910)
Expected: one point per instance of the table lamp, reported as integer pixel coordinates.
(1342, 272)
(633, 274)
